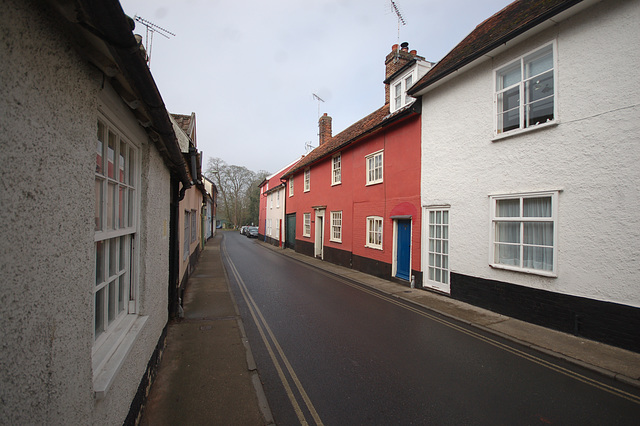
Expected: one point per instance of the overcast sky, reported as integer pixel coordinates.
(249, 69)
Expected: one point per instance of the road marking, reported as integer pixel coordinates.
(577, 376)
(264, 329)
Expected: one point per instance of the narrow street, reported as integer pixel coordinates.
(330, 351)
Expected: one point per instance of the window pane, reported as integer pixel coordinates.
(123, 252)
(122, 197)
(438, 217)
(445, 262)
(445, 231)
(99, 262)
(508, 208)
(100, 149)
(99, 204)
(540, 62)
(130, 208)
(121, 293)
(445, 217)
(536, 207)
(538, 233)
(111, 302)
(432, 245)
(122, 162)
(438, 246)
(111, 206)
(99, 312)
(131, 161)
(431, 274)
(438, 231)
(509, 76)
(507, 254)
(111, 152)
(508, 232)
(538, 258)
(445, 247)
(113, 256)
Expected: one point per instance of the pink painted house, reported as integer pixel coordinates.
(355, 199)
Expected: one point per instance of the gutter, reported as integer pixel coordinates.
(107, 21)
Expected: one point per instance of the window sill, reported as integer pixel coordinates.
(335, 241)
(524, 270)
(373, 247)
(511, 133)
(374, 183)
(336, 183)
(109, 357)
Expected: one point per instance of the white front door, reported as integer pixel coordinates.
(319, 241)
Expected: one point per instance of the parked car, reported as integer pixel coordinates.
(243, 230)
(252, 231)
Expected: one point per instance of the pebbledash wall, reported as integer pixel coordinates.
(50, 99)
(591, 157)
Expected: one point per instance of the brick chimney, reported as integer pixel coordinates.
(398, 58)
(325, 128)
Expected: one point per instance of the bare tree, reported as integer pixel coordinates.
(234, 183)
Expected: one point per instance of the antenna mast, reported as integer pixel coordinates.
(151, 29)
(396, 9)
(319, 99)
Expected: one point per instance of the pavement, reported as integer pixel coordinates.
(207, 374)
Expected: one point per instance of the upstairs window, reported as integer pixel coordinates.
(278, 199)
(307, 180)
(336, 169)
(525, 92)
(374, 168)
(399, 92)
(291, 186)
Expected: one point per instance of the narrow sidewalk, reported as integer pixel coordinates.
(610, 361)
(207, 374)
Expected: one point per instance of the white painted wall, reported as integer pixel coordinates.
(592, 156)
(49, 98)
(277, 213)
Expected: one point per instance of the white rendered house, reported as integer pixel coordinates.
(530, 153)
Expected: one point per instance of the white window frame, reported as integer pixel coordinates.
(521, 85)
(438, 222)
(194, 226)
(336, 169)
(374, 180)
(271, 201)
(187, 233)
(116, 334)
(277, 234)
(373, 222)
(336, 227)
(307, 180)
(521, 220)
(291, 186)
(269, 227)
(399, 88)
(278, 199)
(306, 225)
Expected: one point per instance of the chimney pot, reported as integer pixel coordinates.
(405, 46)
(414, 52)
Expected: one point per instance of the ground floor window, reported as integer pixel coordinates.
(306, 232)
(374, 232)
(336, 226)
(438, 253)
(116, 189)
(524, 232)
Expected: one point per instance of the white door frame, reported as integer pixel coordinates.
(319, 237)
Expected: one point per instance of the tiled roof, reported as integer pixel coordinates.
(505, 25)
(184, 121)
(363, 127)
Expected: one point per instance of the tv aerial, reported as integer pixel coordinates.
(308, 147)
(396, 10)
(319, 99)
(152, 29)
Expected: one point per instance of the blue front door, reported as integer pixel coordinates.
(403, 250)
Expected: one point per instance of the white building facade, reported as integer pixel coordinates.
(530, 184)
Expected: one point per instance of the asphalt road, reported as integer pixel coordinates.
(332, 352)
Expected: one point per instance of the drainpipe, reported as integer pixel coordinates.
(174, 248)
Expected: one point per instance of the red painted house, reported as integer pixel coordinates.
(355, 199)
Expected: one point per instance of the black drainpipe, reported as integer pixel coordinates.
(174, 248)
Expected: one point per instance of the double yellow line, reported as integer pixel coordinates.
(277, 356)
